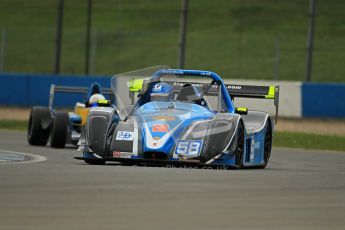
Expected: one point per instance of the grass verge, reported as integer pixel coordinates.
(281, 139)
(13, 125)
(309, 141)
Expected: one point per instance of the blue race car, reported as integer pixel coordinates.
(183, 117)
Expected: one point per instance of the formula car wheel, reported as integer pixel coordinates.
(239, 151)
(267, 144)
(95, 161)
(59, 130)
(39, 126)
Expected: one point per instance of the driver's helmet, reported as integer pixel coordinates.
(162, 92)
(95, 98)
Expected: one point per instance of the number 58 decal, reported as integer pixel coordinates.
(191, 147)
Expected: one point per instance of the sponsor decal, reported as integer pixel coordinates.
(173, 72)
(121, 154)
(254, 147)
(117, 154)
(205, 74)
(124, 136)
(157, 88)
(101, 109)
(160, 128)
(155, 139)
(234, 87)
(164, 118)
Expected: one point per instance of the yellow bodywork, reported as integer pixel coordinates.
(103, 102)
(136, 85)
(271, 93)
(241, 109)
(82, 112)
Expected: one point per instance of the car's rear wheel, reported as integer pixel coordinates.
(267, 144)
(59, 130)
(38, 134)
(240, 145)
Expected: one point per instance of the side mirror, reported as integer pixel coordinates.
(136, 85)
(241, 110)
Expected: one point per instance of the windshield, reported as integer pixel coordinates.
(129, 87)
(196, 90)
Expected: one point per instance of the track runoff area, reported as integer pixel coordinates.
(298, 190)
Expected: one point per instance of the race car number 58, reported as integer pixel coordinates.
(188, 147)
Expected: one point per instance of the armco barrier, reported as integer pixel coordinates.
(296, 99)
(29, 89)
(323, 100)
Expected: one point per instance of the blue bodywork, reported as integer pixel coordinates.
(184, 114)
(253, 151)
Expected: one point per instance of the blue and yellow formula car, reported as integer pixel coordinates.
(182, 117)
(61, 127)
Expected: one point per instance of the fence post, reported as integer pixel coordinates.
(93, 51)
(58, 38)
(310, 42)
(88, 35)
(277, 59)
(183, 31)
(2, 49)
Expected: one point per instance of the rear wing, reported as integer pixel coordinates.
(246, 91)
(73, 89)
(253, 91)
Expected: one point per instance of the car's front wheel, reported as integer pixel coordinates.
(59, 130)
(267, 144)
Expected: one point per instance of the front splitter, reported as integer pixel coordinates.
(166, 163)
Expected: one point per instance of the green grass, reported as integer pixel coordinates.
(13, 125)
(234, 38)
(309, 141)
(281, 139)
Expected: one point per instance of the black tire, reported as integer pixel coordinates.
(95, 161)
(267, 143)
(239, 145)
(59, 130)
(39, 126)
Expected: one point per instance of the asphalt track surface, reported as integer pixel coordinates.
(298, 190)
